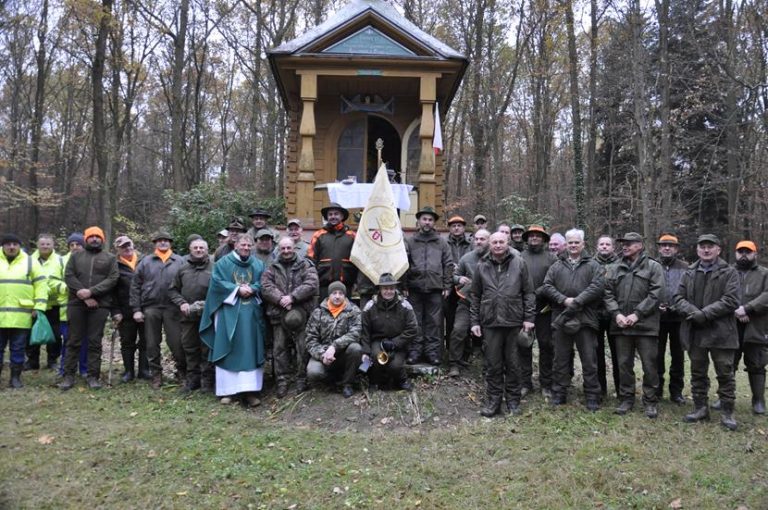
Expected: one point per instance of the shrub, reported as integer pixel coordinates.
(209, 207)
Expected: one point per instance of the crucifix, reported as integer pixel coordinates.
(379, 147)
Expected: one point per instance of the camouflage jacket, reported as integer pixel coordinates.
(323, 330)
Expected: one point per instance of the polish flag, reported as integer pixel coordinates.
(437, 137)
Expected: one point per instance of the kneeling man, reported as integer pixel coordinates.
(389, 326)
(333, 340)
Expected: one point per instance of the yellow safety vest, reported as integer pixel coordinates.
(22, 289)
(53, 269)
(65, 298)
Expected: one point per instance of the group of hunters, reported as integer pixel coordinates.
(260, 293)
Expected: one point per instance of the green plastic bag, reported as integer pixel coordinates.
(41, 331)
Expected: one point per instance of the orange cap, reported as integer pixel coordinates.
(667, 239)
(746, 244)
(94, 231)
(456, 219)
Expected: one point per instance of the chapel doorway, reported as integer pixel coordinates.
(357, 155)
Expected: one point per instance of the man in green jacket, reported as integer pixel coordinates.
(460, 345)
(539, 259)
(428, 282)
(633, 287)
(459, 244)
(574, 286)
(605, 255)
(188, 291)
(389, 325)
(289, 288)
(152, 306)
(669, 327)
(708, 296)
(503, 305)
(91, 276)
(752, 317)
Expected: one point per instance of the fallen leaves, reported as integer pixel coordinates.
(46, 439)
(676, 504)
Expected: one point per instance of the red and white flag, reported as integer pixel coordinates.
(437, 137)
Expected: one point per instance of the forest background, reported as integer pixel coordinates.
(613, 115)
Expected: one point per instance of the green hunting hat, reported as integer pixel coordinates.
(427, 210)
(336, 206)
(236, 224)
(259, 212)
(387, 279)
(161, 234)
(265, 232)
(294, 319)
(631, 237)
(708, 238)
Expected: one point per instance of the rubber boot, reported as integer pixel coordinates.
(492, 408)
(757, 383)
(128, 361)
(144, 365)
(16, 369)
(727, 420)
(700, 412)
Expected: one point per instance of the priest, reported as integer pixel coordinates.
(233, 325)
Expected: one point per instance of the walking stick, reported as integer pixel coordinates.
(115, 334)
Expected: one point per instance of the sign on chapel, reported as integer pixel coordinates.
(360, 90)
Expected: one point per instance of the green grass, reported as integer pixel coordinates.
(130, 447)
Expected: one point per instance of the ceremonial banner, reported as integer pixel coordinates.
(379, 245)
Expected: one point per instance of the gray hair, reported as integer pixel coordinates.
(557, 236)
(575, 232)
(245, 236)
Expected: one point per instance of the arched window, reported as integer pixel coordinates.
(412, 153)
(356, 150)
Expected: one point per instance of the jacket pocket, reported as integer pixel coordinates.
(147, 293)
(26, 303)
(513, 309)
(486, 311)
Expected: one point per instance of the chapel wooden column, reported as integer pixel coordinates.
(427, 183)
(305, 182)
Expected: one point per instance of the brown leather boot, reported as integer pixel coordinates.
(157, 381)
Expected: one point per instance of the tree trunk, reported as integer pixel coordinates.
(104, 207)
(37, 118)
(578, 165)
(646, 181)
(665, 135)
(592, 128)
(181, 181)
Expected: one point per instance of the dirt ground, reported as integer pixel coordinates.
(437, 400)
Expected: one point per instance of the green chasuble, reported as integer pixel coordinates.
(233, 328)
